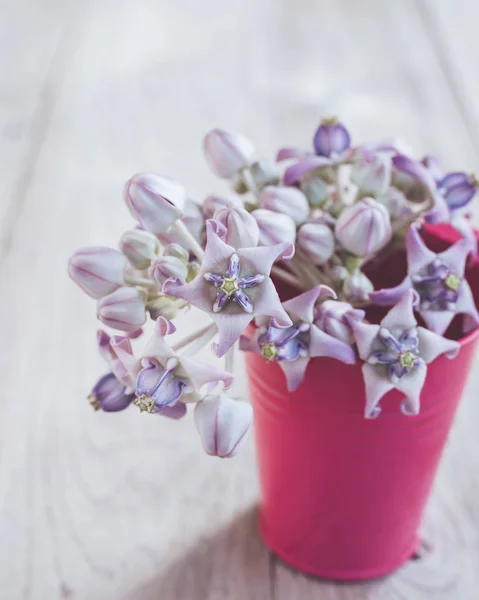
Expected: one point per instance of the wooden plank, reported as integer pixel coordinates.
(451, 28)
(122, 507)
(33, 54)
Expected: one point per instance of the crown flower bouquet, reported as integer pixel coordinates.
(348, 276)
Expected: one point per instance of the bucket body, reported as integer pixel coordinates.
(341, 496)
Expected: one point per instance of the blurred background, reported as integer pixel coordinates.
(96, 506)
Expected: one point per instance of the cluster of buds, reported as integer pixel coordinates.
(309, 228)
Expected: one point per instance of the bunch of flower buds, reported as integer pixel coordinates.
(314, 227)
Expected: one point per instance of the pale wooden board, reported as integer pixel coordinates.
(126, 506)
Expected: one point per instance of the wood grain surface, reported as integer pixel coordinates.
(125, 506)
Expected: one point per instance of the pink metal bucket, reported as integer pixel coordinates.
(342, 497)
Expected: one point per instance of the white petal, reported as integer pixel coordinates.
(432, 345)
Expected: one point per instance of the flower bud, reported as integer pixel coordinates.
(227, 153)
(212, 203)
(331, 138)
(124, 309)
(165, 267)
(177, 251)
(109, 395)
(357, 287)
(223, 424)
(315, 189)
(274, 227)
(193, 219)
(287, 200)
(458, 189)
(364, 228)
(97, 270)
(372, 173)
(317, 241)
(155, 201)
(241, 228)
(140, 247)
(162, 306)
(332, 318)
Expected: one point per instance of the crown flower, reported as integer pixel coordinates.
(283, 265)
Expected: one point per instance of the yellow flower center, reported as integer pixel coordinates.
(269, 351)
(145, 403)
(452, 282)
(329, 121)
(93, 400)
(229, 285)
(406, 359)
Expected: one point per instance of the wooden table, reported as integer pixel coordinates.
(127, 507)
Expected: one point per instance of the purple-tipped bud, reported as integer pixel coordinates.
(315, 189)
(177, 251)
(372, 173)
(124, 309)
(317, 241)
(109, 395)
(155, 201)
(287, 200)
(274, 228)
(331, 138)
(357, 288)
(97, 270)
(227, 153)
(165, 267)
(213, 203)
(241, 228)
(140, 247)
(458, 189)
(333, 319)
(223, 424)
(364, 228)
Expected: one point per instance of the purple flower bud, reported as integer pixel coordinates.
(162, 306)
(109, 395)
(177, 251)
(227, 153)
(165, 267)
(357, 288)
(315, 189)
(223, 424)
(287, 200)
(155, 201)
(317, 241)
(331, 138)
(124, 309)
(241, 228)
(140, 247)
(333, 319)
(372, 173)
(212, 203)
(364, 228)
(97, 270)
(274, 228)
(458, 189)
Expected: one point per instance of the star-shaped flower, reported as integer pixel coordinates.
(234, 286)
(294, 346)
(440, 282)
(168, 380)
(396, 355)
